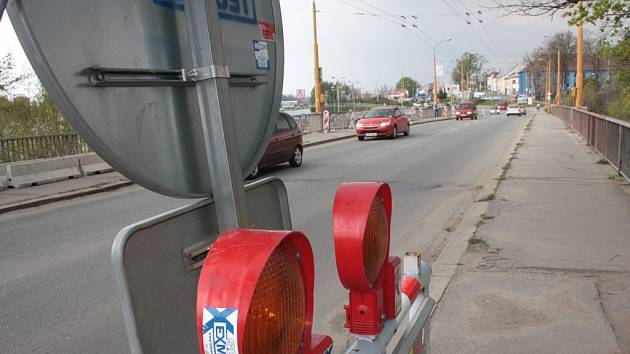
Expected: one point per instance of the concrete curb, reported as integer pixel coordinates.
(448, 260)
(315, 143)
(63, 196)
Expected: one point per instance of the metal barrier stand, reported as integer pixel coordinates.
(414, 315)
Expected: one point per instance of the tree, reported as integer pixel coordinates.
(9, 78)
(407, 84)
(442, 94)
(471, 65)
(610, 15)
(618, 55)
(536, 61)
(25, 116)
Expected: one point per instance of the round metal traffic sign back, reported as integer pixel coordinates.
(121, 73)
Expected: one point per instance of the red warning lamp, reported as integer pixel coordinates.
(255, 295)
(361, 228)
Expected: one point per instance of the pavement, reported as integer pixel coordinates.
(57, 286)
(17, 199)
(548, 269)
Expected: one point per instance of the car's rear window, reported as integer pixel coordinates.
(379, 112)
(467, 106)
(514, 106)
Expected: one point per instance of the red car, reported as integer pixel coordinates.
(502, 106)
(383, 122)
(286, 145)
(466, 110)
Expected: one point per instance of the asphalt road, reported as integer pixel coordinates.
(57, 293)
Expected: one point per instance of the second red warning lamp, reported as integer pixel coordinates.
(361, 228)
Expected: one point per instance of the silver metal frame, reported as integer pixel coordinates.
(415, 317)
(126, 234)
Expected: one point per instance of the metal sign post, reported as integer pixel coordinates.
(219, 130)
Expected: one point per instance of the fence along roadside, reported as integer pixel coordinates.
(608, 136)
(41, 147)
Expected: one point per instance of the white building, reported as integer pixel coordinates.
(492, 82)
(508, 84)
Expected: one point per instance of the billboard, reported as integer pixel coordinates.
(300, 94)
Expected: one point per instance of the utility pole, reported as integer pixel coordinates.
(338, 98)
(579, 77)
(548, 92)
(558, 83)
(354, 104)
(318, 83)
(461, 73)
(435, 84)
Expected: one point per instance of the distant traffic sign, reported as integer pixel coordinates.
(122, 73)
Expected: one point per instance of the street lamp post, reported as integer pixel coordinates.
(435, 85)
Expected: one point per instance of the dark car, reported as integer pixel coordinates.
(286, 145)
(383, 122)
(466, 110)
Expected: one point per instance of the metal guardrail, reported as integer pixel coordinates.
(608, 136)
(40, 147)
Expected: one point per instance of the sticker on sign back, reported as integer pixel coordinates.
(267, 31)
(261, 55)
(220, 330)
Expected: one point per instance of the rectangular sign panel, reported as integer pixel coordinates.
(157, 264)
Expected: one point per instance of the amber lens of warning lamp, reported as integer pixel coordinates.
(277, 315)
(375, 240)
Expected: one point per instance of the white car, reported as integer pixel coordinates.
(514, 110)
(495, 110)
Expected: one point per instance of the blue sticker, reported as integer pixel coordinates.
(261, 55)
(220, 330)
(238, 10)
(171, 4)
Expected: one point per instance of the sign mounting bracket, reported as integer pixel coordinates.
(128, 77)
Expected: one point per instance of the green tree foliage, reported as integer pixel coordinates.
(408, 84)
(9, 78)
(442, 95)
(613, 18)
(25, 116)
(472, 65)
(618, 103)
(609, 15)
(536, 61)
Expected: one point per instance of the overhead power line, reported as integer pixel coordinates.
(472, 28)
(405, 22)
(477, 14)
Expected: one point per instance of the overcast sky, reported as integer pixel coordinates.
(375, 50)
